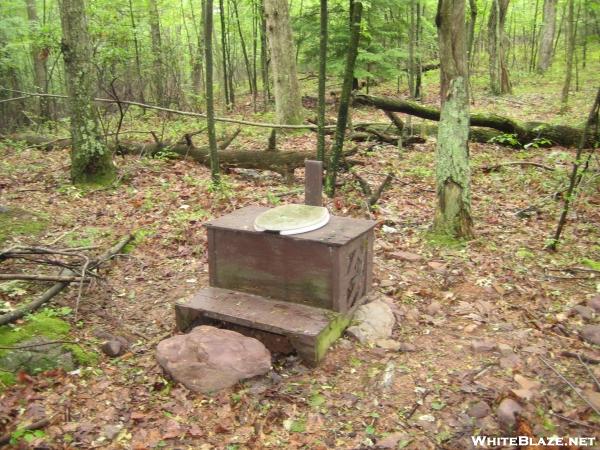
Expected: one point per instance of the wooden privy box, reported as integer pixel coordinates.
(328, 268)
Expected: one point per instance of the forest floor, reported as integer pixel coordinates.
(482, 316)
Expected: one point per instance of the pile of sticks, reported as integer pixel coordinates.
(75, 267)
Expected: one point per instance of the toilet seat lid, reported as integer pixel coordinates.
(292, 219)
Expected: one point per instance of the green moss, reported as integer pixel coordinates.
(436, 239)
(594, 265)
(18, 222)
(46, 325)
(139, 237)
(40, 324)
(82, 356)
(87, 236)
(334, 330)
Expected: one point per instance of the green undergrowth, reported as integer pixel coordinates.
(434, 239)
(87, 236)
(45, 324)
(18, 222)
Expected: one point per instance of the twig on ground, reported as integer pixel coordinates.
(587, 359)
(41, 344)
(37, 277)
(495, 167)
(571, 385)
(575, 422)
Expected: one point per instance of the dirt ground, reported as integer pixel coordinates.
(486, 320)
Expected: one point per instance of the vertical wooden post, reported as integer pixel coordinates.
(313, 183)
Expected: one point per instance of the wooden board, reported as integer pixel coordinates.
(308, 330)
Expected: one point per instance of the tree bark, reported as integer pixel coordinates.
(525, 131)
(471, 29)
(497, 44)
(547, 35)
(453, 174)
(570, 50)
(39, 56)
(322, 80)
(158, 76)
(210, 102)
(342, 119)
(288, 104)
(91, 161)
(228, 102)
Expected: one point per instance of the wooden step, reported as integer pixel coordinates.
(281, 326)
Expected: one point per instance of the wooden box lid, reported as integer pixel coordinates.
(338, 232)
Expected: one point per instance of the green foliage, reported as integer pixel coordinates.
(509, 139)
(27, 436)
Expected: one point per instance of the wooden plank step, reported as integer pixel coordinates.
(281, 326)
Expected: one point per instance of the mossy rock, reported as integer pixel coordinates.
(42, 356)
(39, 328)
(18, 222)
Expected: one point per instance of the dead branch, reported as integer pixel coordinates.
(39, 344)
(576, 173)
(58, 287)
(571, 385)
(175, 111)
(36, 277)
(495, 167)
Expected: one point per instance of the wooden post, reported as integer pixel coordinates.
(313, 183)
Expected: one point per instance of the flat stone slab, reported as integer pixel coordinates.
(279, 325)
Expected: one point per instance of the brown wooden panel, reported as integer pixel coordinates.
(273, 266)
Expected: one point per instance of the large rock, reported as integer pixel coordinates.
(372, 321)
(208, 359)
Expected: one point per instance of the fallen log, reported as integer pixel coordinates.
(525, 131)
(280, 162)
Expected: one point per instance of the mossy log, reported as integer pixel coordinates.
(525, 131)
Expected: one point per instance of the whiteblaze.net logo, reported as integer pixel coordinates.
(490, 442)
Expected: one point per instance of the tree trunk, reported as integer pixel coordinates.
(228, 102)
(453, 174)
(264, 60)
(547, 35)
(322, 80)
(210, 106)
(497, 44)
(158, 76)
(91, 161)
(288, 105)
(244, 51)
(411, 48)
(342, 119)
(534, 37)
(136, 47)
(525, 131)
(471, 29)
(570, 50)
(39, 56)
